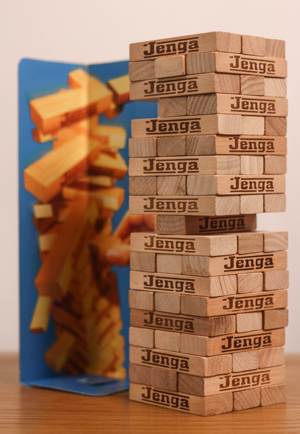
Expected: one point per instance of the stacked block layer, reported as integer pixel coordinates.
(208, 293)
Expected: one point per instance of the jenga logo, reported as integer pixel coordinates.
(170, 245)
(248, 144)
(253, 185)
(171, 87)
(169, 48)
(170, 205)
(164, 360)
(252, 105)
(249, 303)
(248, 380)
(249, 262)
(255, 66)
(221, 223)
(173, 126)
(165, 399)
(169, 322)
(171, 166)
(169, 284)
(243, 343)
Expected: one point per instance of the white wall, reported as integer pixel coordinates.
(94, 31)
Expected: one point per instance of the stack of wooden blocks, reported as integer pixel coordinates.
(208, 293)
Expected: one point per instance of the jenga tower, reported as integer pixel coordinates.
(208, 293)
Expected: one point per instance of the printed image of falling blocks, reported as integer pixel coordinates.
(208, 292)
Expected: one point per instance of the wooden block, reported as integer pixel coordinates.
(166, 380)
(187, 125)
(97, 181)
(275, 126)
(275, 164)
(274, 202)
(204, 386)
(55, 274)
(141, 70)
(214, 103)
(251, 242)
(273, 395)
(177, 362)
(274, 280)
(252, 204)
(251, 85)
(206, 245)
(57, 356)
(168, 263)
(253, 125)
(152, 90)
(141, 300)
(221, 265)
(202, 406)
(254, 45)
(246, 361)
(185, 205)
(141, 337)
(238, 145)
(233, 304)
(246, 399)
(140, 374)
(120, 88)
(43, 210)
(275, 48)
(110, 137)
(275, 87)
(141, 185)
(172, 66)
(109, 164)
(166, 302)
(172, 166)
(39, 137)
(69, 161)
(247, 322)
(108, 198)
(213, 326)
(179, 284)
(226, 184)
(47, 239)
(52, 112)
(170, 146)
(171, 185)
(275, 241)
(251, 282)
(143, 261)
(205, 42)
(275, 319)
(200, 63)
(168, 341)
(41, 315)
(252, 165)
(172, 106)
(113, 110)
(271, 357)
(212, 346)
(142, 147)
(193, 225)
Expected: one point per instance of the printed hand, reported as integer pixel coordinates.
(120, 255)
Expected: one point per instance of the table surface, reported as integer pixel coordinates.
(31, 410)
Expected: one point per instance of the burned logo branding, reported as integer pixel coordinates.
(188, 85)
(170, 166)
(252, 105)
(171, 245)
(252, 65)
(248, 262)
(170, 205)
(168, 361)
(251, 145)
(173, 126)
(169, 322)
(249, 303)
(252, 185)
(165, 399)
(169, 48)
(223, 224)
(246, 380)
(242, 343)
(169, 284)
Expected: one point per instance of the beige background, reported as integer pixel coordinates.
(95, 31)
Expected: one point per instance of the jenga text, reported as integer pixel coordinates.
(253, 379)
(234, 343)
(258, 106)
(156, 49)
(258, 146)
(173, 126)
(176, 87)
(172, 206)
(246, 64)
(180, 285)
(152, 165)
(259, 185)
(167, 322)
(171, 245)
(165, 399)
(257, 262)
(221, 224)
(164, 360)
(249, 303)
